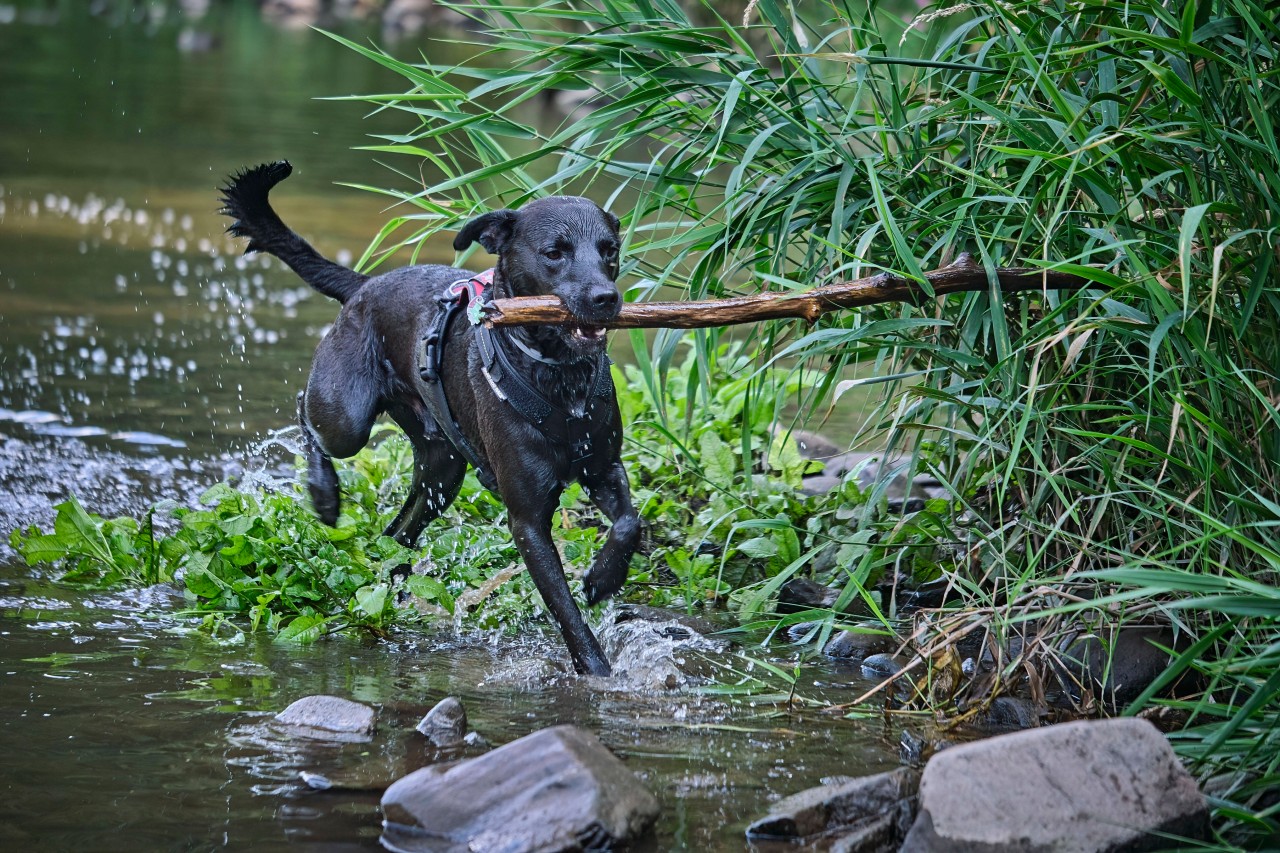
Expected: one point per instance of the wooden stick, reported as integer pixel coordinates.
(963, 275)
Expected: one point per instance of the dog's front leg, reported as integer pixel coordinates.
(611, 492)
(531, 528)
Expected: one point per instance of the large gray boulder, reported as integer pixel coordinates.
(1090, 786)
(557, 789)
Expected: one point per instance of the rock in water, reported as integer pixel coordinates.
(446, 723)
(1083, 787)
(557, 789)
(868, 814)
(327, 718)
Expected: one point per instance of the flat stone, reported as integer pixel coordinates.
(863, 814)
(557, 789)
(819, 484)
(327, 718)
(1083, 787)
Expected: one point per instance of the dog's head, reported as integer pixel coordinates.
(559, 246)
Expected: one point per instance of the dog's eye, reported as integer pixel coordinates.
(553, 254)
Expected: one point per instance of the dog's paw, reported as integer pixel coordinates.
(326, 506)
(599, 585)
(322, 483)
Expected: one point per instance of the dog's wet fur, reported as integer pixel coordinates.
(367, 365)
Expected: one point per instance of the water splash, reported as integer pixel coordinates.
(653, 654)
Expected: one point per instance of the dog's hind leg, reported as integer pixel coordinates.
(612, 494)
(336, 412)
(437, 475)
(322, 479)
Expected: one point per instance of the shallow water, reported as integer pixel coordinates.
(126, 729)
(141, 358)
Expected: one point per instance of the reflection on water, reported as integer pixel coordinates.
(125, 308)
(140, 357)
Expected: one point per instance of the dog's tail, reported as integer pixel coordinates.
(244, 199)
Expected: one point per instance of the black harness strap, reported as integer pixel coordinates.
(430, 355)
(572, 429)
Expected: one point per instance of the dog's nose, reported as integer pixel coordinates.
(605, 300)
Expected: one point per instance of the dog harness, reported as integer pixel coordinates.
(569, 428)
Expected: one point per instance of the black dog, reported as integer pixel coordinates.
(532, 409)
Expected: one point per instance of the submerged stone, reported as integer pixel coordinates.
(557, 789)
(1106, 785)
(327, 718)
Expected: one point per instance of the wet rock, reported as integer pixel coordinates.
(812, 445)
(798, 594)
(1116, 671)
(446, 723)
(327, 718)
(557, 789)
(1008, 713)
(927, 595)
(1106, 785)
(914, 750)
(858, 645)
(803, 632)
(883, 665)
(695, 623)
(868, 814)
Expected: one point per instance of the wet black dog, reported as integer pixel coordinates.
(532, 407)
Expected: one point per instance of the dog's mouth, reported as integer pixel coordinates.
(587, 334)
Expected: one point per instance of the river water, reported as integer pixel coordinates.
(141, 357)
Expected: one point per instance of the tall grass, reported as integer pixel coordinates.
(1119, 449)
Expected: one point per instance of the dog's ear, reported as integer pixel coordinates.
(492, 230)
